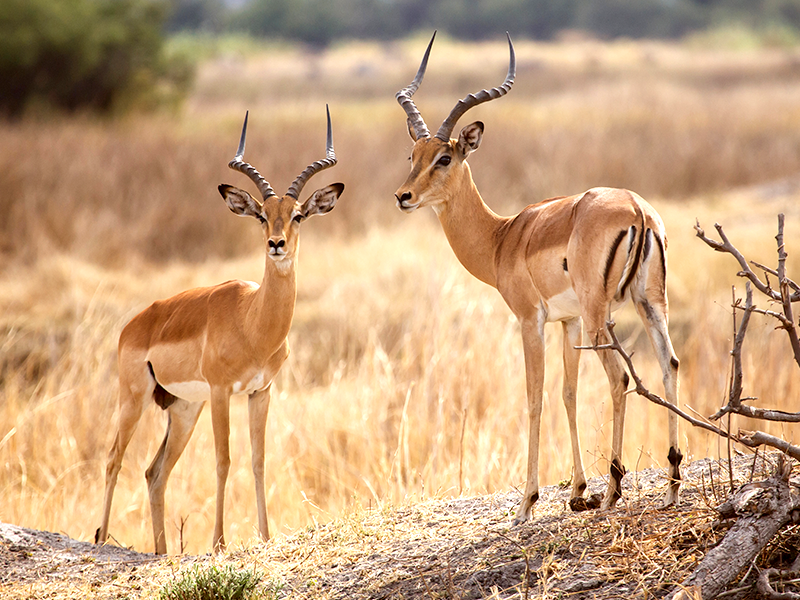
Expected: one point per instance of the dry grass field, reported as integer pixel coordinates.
(396, 350)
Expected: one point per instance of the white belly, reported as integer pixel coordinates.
(200, 391)
(193, 391)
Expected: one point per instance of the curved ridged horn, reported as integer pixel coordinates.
(483, 96)
(316, 166)
(237, 164)
(404, 97)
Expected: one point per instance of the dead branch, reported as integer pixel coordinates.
(753, 439)
(735, 396)
(765, 588)
(726, 246)
(788, 291)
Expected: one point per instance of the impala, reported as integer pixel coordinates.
(571, 259)
(210, 343)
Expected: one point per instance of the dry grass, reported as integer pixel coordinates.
(395, 347)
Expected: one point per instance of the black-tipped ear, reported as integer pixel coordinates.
(240, 202)
(470, 138)
(322, 201)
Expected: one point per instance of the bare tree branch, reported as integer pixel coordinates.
(788, 291)
(786, 296)
(753, 439)
(726, 246)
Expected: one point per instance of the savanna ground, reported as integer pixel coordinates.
(396, 350)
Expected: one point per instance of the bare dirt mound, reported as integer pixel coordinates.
(29, 558)
(457, 548)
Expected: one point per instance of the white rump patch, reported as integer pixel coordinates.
(562, 306)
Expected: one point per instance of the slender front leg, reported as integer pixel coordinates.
(533, 344)
(220, 421)
(572, 356)
(258, 406)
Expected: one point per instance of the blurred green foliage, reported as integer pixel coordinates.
(108, 55)
(319, 22)
(86, 54)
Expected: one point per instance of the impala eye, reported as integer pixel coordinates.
(443, 161)
(297, 218)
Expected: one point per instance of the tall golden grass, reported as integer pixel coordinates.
(406, 377)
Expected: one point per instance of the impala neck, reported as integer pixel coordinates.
(471, 228)
(273, 305)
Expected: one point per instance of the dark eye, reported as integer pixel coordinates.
(297, 218)
(443, 161)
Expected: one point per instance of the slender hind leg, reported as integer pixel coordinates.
(182, 418)
(131, 407)
(649, 294)
(655, 319)
(618, 382)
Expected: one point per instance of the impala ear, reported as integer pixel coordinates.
(322, 201)
(470, 138)
(240, 202)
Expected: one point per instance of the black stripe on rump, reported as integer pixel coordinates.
(610, 259)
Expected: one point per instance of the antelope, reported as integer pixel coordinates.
(572, 259)
(210, 343)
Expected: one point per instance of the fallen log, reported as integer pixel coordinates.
(761, 510)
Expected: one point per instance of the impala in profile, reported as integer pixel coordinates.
(208, 344)
(571, 259)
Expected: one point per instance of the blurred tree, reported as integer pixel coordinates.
(640, 19)
(196, 15)
(479, 19)
(76, 54)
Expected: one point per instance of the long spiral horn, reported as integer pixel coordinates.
(316, 166)
(237, 164)
(483, 96)
(404, 97)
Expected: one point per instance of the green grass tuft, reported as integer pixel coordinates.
(215, 583)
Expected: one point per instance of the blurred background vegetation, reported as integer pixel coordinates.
(110, 55)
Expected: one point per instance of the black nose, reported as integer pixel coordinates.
(405, 197)
(278, 244)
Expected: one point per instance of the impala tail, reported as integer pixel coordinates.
(642, 244)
